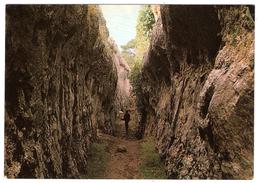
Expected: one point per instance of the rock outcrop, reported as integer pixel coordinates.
(123, 84)
(198, 91)
(61, 85)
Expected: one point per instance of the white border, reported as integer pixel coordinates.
(128, 2)
(2, 81)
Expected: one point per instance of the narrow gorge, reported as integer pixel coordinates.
(66, 84)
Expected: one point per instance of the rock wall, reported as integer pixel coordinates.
(123, 84)
(61, 84)
(198, 91)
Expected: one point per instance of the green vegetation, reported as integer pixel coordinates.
(98, 160)
(144, 26)
(134, 77)
(134, 50)
(152, 167)
(146, 20)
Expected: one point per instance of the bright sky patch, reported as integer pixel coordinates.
(121, 21)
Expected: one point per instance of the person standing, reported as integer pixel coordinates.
(126, 118)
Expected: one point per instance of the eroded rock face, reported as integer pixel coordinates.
(123, 84)
(197, 84)
(61, 84)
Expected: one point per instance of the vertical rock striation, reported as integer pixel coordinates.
(61, 84)
(123, 84)
(198, 91)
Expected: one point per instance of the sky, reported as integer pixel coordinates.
(121, 21)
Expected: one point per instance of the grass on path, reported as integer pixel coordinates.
(98, 160)
(152, 167)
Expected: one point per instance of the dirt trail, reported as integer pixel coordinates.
(122, 165)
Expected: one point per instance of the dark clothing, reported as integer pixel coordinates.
(126, 118)
(127, 127)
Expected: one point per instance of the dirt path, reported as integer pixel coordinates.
(122, 165)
